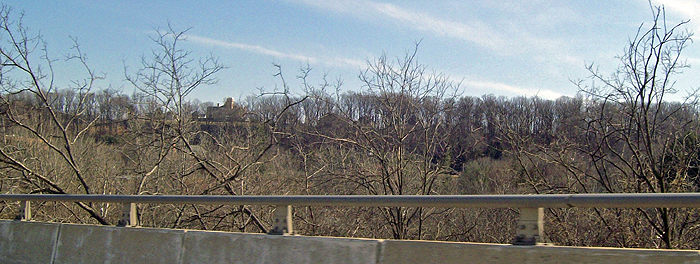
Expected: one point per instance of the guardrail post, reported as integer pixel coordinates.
(530, 226)
(129, 217)
(282, 222)
(25, 211)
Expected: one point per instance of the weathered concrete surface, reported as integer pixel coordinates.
(404, 251)
(36, 242)
(107, 244)
(223, 247)
(27, 242)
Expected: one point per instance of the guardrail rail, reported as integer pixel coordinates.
(531, 207)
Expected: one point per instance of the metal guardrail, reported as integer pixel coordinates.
(531, 207)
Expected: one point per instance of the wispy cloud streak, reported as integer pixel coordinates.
(332, 61)
(487, 36)
(511, 90)
(688, 9)
(474, 32)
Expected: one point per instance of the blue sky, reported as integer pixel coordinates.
(509, 48)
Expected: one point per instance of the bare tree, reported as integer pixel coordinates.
(633, 127)
(628, 137)
(173, 153)
(393, 148)
(27, 71)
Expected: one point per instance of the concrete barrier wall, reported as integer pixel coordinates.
(108, 244)
(37, 242)
(27, 242)
(403, 251)
(223, 247)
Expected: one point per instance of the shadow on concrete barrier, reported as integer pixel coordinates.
(38, 242)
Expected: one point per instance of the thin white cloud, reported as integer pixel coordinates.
(694, 62)
(498, 39)
(687, 9)
(474, 32)
(493, 87)
(487, 36)
(332, 61)
(683, 10)
(342, 6)
(250, 48)
(511, 90)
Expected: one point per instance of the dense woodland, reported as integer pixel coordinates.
(407, 130)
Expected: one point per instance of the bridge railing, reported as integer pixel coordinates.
(531, 207)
